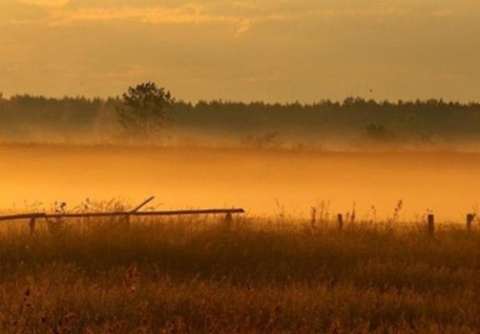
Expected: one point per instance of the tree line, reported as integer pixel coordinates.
(146, 110)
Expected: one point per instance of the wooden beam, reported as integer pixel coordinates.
(122, 213)
(23, 216)
(143, 204)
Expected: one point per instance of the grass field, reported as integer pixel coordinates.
(198, 275)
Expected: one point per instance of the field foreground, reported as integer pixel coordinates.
(200, 275)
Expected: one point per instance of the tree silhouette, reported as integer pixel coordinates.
(145, 111)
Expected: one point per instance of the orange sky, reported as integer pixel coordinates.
(271, 50)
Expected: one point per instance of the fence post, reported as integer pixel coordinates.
(32, 225)
(228, 221)
(127, 221)
(470, 218)
(431, 224)
(340, 221)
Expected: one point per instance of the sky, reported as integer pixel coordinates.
(250, 50)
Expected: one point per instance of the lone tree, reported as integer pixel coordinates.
(145, 110)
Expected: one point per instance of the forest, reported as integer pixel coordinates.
(352, 123)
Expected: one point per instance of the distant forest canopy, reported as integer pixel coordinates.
(25, 118)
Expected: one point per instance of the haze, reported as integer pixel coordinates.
(263, 182)
(270, 50)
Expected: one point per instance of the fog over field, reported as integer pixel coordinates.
(347, 131)
(264, 182)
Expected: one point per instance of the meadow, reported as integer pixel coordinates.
(252, 275)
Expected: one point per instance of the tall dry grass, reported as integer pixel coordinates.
(197, 275)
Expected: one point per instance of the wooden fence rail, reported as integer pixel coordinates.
(127, 214)
(121, 213)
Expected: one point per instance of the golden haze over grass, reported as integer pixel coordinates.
(445, 182)
(186, 275)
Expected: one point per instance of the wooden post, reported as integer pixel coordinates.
(431, 224)
(127, 222)
(340, 221)
(228, 221)
(470, 218)
(32, 225)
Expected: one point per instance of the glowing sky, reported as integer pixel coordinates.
(271, 50)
